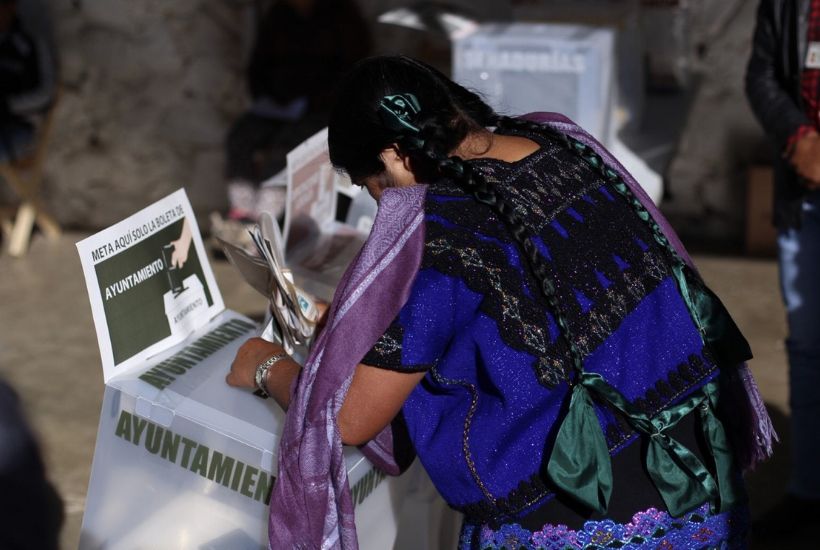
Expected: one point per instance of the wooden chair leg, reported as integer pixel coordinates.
(16, 183)
(25, 177)
(31, 211)
(48, 225)
(21, 231)
(45, 221)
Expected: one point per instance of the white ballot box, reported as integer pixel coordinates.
(182, 460)
(575, 70)
(524, 67)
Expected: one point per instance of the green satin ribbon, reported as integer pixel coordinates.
(720, 333)
(731, 490)
(580, 463)
(682, 480)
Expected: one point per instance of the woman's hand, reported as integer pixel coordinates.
(374, 398)
(281, 374)
(324, 309)
(806, 159)
(250, 355)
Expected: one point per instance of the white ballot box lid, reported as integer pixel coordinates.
(587, 73)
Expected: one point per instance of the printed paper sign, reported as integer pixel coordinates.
(311, 195)
(149, 283)
(317, 247)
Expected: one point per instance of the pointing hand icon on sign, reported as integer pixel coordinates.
(181, 246)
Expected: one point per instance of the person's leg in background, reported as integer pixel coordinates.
(16, 137)
(799, 262)
(256, 149)
(800, 282)
(271, 198)
(249, 135)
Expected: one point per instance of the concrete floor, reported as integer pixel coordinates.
(48, 352)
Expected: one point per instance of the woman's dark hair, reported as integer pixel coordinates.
(357, 134)
(448, 112)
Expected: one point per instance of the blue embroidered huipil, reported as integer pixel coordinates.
(484, 418)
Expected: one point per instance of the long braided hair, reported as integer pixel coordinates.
(433, 116)
(449, 113)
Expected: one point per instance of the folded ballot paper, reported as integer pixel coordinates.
(182, 460)
(294, 312)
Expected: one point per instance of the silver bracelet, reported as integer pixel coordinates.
(262, 372)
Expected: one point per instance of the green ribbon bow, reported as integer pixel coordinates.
(720, 333)
(580, 463)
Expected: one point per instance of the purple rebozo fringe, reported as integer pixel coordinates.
(746, 417)
(748, 422)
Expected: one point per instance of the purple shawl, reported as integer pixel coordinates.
(311, 506)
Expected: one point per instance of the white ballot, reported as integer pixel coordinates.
(182, 460)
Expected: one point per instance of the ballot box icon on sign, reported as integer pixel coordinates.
(172, 271)
(185, 300)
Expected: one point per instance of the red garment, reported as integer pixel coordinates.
(810, 80)
(809, 83)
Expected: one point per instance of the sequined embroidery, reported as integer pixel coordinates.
(595, 309)
(570, 209)
(650, 528)
(465, 442)
(522, 319)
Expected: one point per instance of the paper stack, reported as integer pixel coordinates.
(295, 311)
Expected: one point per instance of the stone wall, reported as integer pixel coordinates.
(149, 88)
(707, 178)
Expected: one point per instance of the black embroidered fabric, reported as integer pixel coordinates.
(598, 289)
(559, 190)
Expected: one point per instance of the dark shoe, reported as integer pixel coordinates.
(787, 519)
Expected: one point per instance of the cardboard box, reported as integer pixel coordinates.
(182, 460)
(761, 236)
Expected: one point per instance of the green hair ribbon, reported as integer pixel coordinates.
(398, 112)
